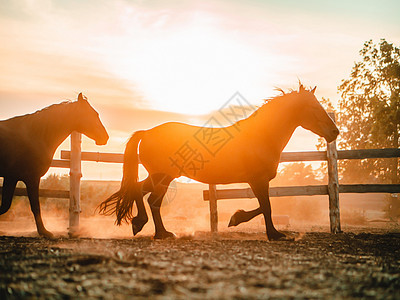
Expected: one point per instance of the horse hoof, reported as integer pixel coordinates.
(46, 234)
(278, 236)
(164, 235)
(137, 225)
(135, 229)
(234, 221)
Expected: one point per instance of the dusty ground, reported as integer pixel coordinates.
(234, 265)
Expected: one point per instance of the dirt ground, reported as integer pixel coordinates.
(230, 265)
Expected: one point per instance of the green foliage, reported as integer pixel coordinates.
(369, 114)
(369, 117)
(55, 182)
(369, 110)
(297, 173)
(308, 209)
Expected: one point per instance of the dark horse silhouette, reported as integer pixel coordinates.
(28, 143)
(247, 151)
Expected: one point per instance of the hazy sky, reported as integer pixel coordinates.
(142, 63)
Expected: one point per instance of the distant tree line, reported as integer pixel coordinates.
(369, 117)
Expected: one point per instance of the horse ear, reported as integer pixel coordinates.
(313, 90)
(80, 97)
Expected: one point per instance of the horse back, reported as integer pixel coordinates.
(209, 155)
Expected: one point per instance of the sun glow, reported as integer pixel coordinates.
(193, 69)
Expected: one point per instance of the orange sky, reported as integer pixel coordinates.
(142, 63)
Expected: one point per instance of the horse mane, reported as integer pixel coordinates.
(50, 107)
(45, 117)
(270, 103)
(283, 93)
(46, 109)
(272, 100)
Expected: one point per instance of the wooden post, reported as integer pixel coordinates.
(75, 183)
(333, 185)
(213, 208)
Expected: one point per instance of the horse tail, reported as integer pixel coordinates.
(121, 202)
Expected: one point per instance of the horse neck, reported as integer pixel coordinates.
(274, 123)
(53, 124)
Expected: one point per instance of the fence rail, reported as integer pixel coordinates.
(96, 156)
(45, 193)
(60, 163)
(308, 190)
(341, 154)
(224, 194)
(285, 157)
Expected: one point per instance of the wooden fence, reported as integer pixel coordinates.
(72, 159)
(332, 189)
(213, 194)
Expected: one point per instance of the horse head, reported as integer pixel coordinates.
(314, 117)
(89, 122)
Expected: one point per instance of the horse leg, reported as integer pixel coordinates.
(32, 186)
(241, 216)
(261, 191)
(160, 187)
(141, 218)
(7, 194)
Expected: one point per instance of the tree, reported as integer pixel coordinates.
(369, 112)
(369, 108)
(297, 173)
(55, 182)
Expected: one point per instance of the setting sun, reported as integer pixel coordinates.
(195, 68)
(142, 64)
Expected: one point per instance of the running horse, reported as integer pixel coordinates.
(28, 143)
(248, 151)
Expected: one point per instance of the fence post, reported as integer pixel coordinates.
(75, 183)
(213, 208)
(333, 185)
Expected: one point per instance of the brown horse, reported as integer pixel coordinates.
(28, 143)
(247, 151)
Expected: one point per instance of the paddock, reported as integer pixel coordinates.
(239, 265)
(359, 262)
